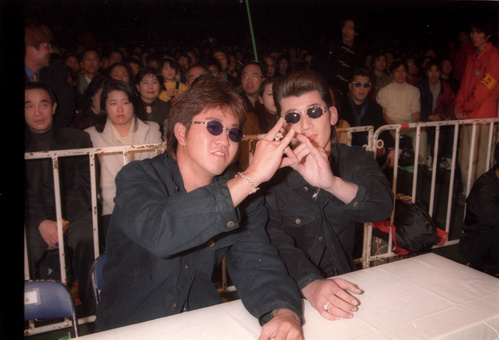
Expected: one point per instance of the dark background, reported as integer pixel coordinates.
(275, 22)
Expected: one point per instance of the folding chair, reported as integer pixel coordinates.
(45, 299)
(97, 279)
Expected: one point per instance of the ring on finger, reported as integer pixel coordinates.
(326, 305)
(284, 151)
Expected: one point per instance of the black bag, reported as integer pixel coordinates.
(414, 229)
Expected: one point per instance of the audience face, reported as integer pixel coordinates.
(269, 62)
(251, 79)
(446, 67)
(90, 63)
(73, 64)
(222, 59)
(359, 94)
(283, 66)
(119, 108)
(120, 72)
(194, 73)
(267, 100)
(214, 71)
(348, 33)
(38, 110)
(433, 74)
(183, 63)
(149, 88)
(115, 57)
(478, 39)
(412, 68)
(40, 56)
(135, 67)
(168, 72)
(380, 63)
(400, 74)
(317, 130)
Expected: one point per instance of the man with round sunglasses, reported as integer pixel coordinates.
(314, 204)
(179, 214)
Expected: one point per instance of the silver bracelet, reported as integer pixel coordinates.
(253, 188)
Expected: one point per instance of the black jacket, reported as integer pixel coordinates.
(315, 237)
(373, 115)
(74, 176)
(163, 244)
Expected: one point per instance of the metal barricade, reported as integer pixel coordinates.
(91, 153)
(374, 142)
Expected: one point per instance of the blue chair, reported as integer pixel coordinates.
(44, 299)
(97, 279)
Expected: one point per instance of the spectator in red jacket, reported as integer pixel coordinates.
(477, 98)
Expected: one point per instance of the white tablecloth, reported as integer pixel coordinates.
(424, 297)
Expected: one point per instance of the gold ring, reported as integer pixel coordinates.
(325, 306)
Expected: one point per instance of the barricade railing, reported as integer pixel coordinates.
(492, 139)
(126, 151)
(373, 142)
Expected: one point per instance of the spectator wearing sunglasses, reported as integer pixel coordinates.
(177, 215)
(359, 109)
(314, 204)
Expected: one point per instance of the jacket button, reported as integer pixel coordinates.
(173, 305)
(355, 204)
(321, 238)
(298, 221)
(186, 266)
(305, 188)
(211, 243)
(230, 224)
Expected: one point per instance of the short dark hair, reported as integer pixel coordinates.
(430, 64)
(116, 85)
(484, 25)
(298, 83)
(396, 64)
(170, 61)
(263, 68)
(204, 95)
(125, 65)
(89, 49)
(144, 71)
(41, 86)
(362, 71)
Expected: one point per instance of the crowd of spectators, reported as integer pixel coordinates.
(400, 84)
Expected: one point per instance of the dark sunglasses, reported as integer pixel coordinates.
(313, 112)
(216, 128)
(359, 84)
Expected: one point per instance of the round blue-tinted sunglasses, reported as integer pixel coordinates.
(358, 84)
(216, 128)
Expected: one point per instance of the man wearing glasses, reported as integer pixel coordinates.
(313, 204)
(177, 215)
(360, 110)
(252, 76)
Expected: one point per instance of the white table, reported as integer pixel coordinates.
(424, 297)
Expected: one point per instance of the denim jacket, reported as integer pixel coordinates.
(163, 244)
(315, 236)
